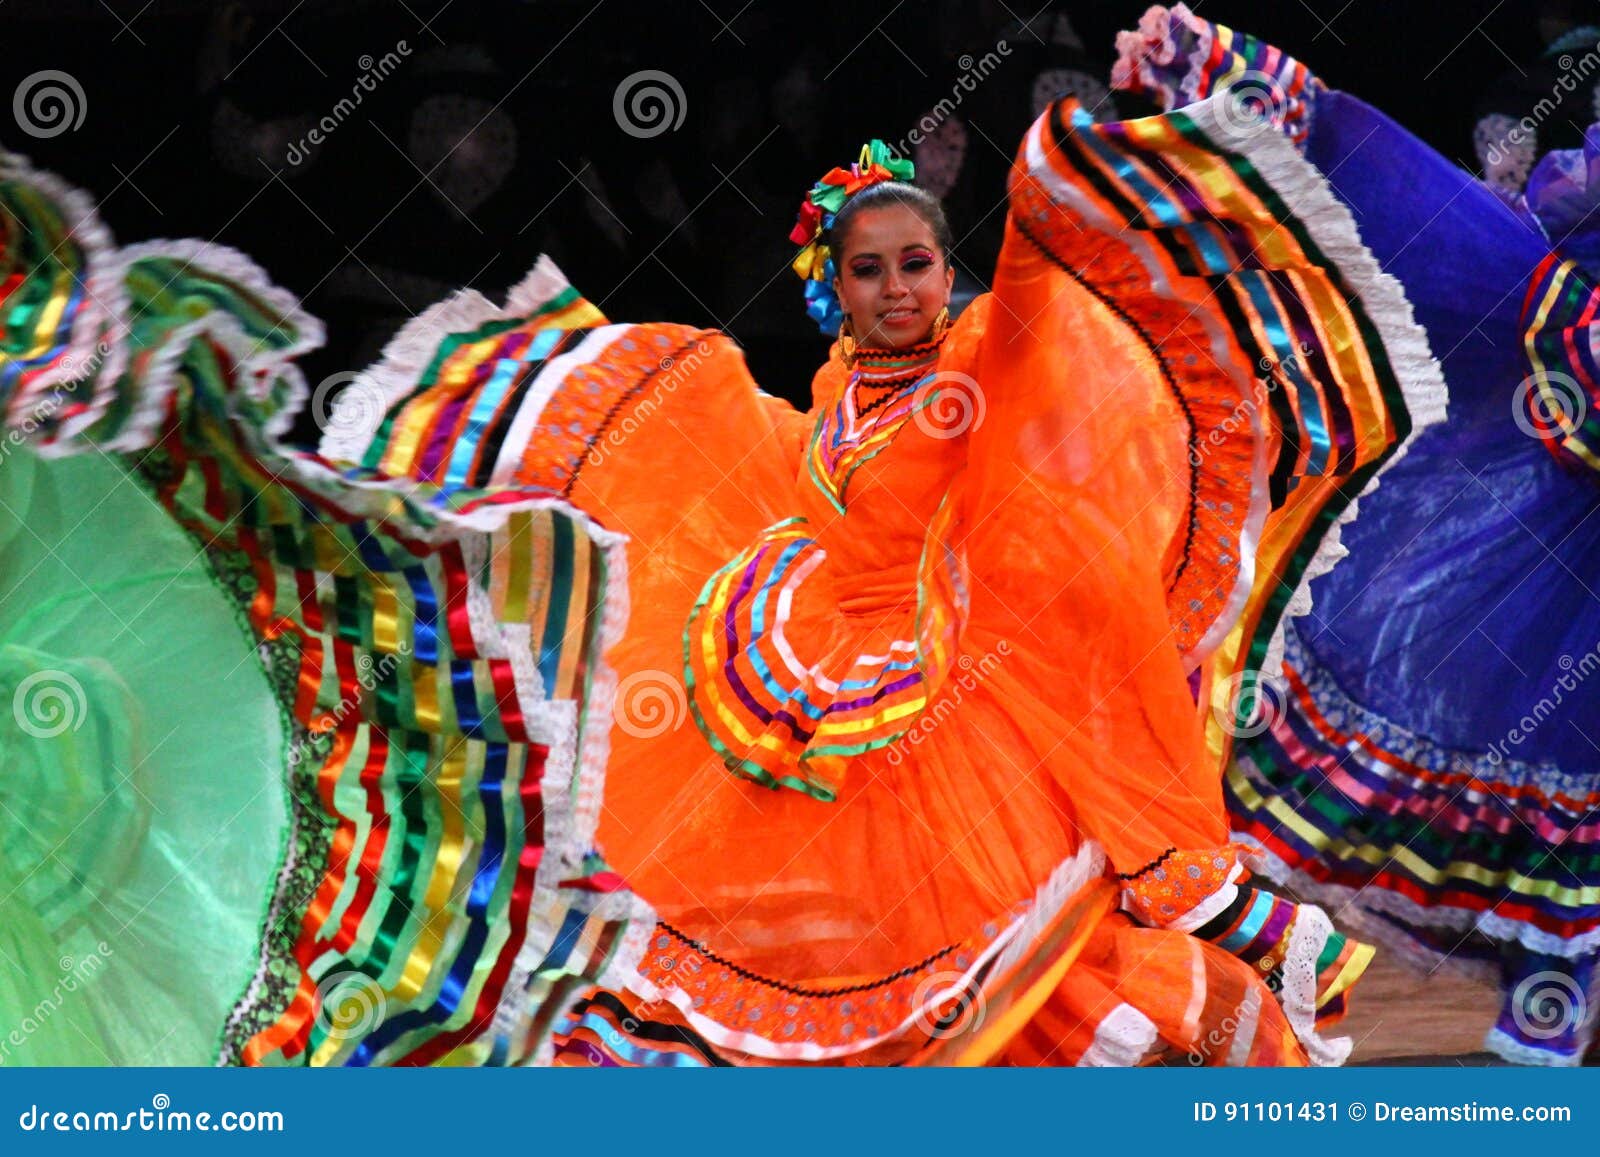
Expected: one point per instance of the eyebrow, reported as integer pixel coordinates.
(903, 249)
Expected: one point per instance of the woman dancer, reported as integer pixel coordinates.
(816, 649)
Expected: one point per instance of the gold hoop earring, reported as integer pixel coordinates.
(847, 344)
(940, 324)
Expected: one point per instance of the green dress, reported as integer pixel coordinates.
(301, 763)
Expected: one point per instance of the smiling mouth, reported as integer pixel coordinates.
(899, 315)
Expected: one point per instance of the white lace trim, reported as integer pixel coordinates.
(257, 366)
(619, 972)
(600, 702)
(1360, 908)
(1509, 1048)
(1135, 49)
(1208, 909)
(99, 332)
(1068, 879)
(1507, 164)
(1298, 996)
(1245, 1034)
(356, 418)
(1331, 225)
(1122, 1040)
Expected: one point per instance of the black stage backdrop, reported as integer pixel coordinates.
(467, 137)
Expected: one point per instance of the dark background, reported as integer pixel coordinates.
(190, 109)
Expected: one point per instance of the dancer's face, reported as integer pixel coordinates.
(893, 280)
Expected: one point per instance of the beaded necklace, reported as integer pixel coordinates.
(887, 371)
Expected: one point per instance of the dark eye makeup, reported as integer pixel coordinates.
(911, 263)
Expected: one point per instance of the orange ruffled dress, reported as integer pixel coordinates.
(910, 680)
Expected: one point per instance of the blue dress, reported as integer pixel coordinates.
(1429, 763)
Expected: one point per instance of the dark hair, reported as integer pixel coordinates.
(921, 202)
